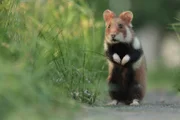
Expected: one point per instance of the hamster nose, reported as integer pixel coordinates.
(113, 36)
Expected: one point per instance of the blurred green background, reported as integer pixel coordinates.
(52, 60)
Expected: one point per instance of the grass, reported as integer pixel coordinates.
(48, 55)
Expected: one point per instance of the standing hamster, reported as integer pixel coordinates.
(126, 60)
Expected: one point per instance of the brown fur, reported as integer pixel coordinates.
(140, 75)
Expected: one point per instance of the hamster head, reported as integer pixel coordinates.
(118, 28)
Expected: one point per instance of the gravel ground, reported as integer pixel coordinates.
(156, 106)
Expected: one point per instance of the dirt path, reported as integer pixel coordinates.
(156, 106)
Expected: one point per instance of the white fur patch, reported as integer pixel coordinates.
(125, 59)
(135, 102)
(128, 37)
(137, 64)
(136, 43)
(105, 47)
(116, 58)
(120, 37)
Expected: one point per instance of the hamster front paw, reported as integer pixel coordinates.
(116, 58)
(125, 59)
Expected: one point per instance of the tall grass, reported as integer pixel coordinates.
(50, 51)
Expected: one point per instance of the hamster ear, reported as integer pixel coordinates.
(126, 16)
(108, 15)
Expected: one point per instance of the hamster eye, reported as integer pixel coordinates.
(109, 26)
(120, 26)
